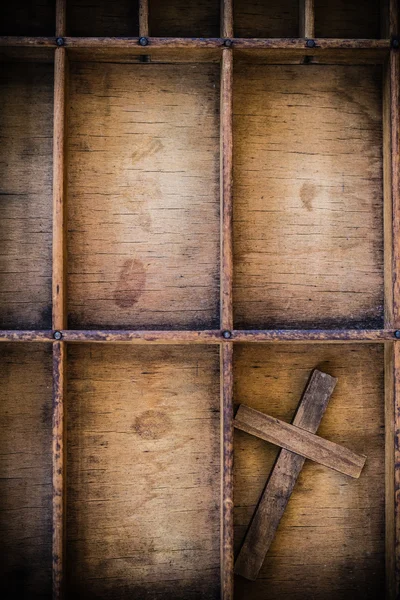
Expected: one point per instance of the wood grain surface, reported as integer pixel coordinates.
(25, 471)
(308, 207)
(331, 541)
(273, 19)
(186, 18)
(103, 18)
(344, 19)
(26, 118)
(144, 472)
(143, 240)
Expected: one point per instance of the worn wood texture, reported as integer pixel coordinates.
(26, 98)
(226, 28)
(59, 468)
(61, 18)
(273, 19)
(295, 439)
(184, 18)
(308, 248)
(394, 161)
(226, 372)
(143, 18)
(307, 25)
(27, 17)
(344, 19)
(25, 471)
(143, 472)
(144, 198)
(331, 541)
(116, 18)
(282, 479)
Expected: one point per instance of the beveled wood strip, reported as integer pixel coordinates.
(59, 196)
(301, 442)
(143, 337)
(227, 471)
(394, 70)
(226, 158)
(59, 449)
(313, 335)
(282, 479)
(390, 451)
(143, 18)
(307, 29)
(227, 27)
(61, 18)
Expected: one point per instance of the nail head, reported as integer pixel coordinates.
(228, 43)
(397, 334)
(57, 335)
(395, 43)
(227, 334)
(60, 41)
(143, 41)
(310, 43)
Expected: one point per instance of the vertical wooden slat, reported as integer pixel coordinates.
(61, 18)
(59, 447)
(227, 471)
(227, 19)
(306, 21)
(143, 18)
(226, 138)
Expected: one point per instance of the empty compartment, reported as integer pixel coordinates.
(143, 472)
(183, 18)
(330, 543)
(25, 470)
(102, 18)
(308, 209)
(143, 196)
(262, 19)
(344, 19)
(26, 149)
(28, 17)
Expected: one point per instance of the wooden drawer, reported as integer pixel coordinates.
(199, 206)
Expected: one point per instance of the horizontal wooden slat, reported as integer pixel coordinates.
(299, 441)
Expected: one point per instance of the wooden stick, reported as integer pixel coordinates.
(61, 18)
(314, 335)
(59, 202)
(299, 441)
(226, 19)
(282, 479)
(143, 18)
(226, 158)
(227, 471)
(59, 447)
(306, 8)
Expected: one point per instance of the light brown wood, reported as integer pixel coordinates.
(25, 206)
(331, 540)
(308, 232)
(272, 19)
(306, 27)
(143, 472)
(143, 189)
(59, 318)
(226, 186)
(59, 469)
(61, 18)
(355, 19)
(281, 482)
(226, 359)
(184, 18)
(227, 29)
(25, 470)
(143, 18)
(394, 73)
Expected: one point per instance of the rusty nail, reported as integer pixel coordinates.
(228, 43)
(227, 334)
(57, 335)
(397, 334)
(310, 43)
(60, 41)
(143, 41)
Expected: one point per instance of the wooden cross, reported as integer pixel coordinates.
(298, 442)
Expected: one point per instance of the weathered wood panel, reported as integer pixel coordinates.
(25, 470)
(184, 18)
(331, 541)
(102, 18)
(308, 204)
(27, 17)
(143, 195)
(26, 118)
(344, 19)
(257, 18)
(144, 472)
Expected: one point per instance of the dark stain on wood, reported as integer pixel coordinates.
(131, 283)
(152, 424)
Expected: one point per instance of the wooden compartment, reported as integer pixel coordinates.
(330, 543)
(102, 18)
(143, 196)
(343, 19)
(308, 196)
(143, 472)
(260, 19)
(183, 18)
(28, 17)
(26, 129)
(25, 470)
